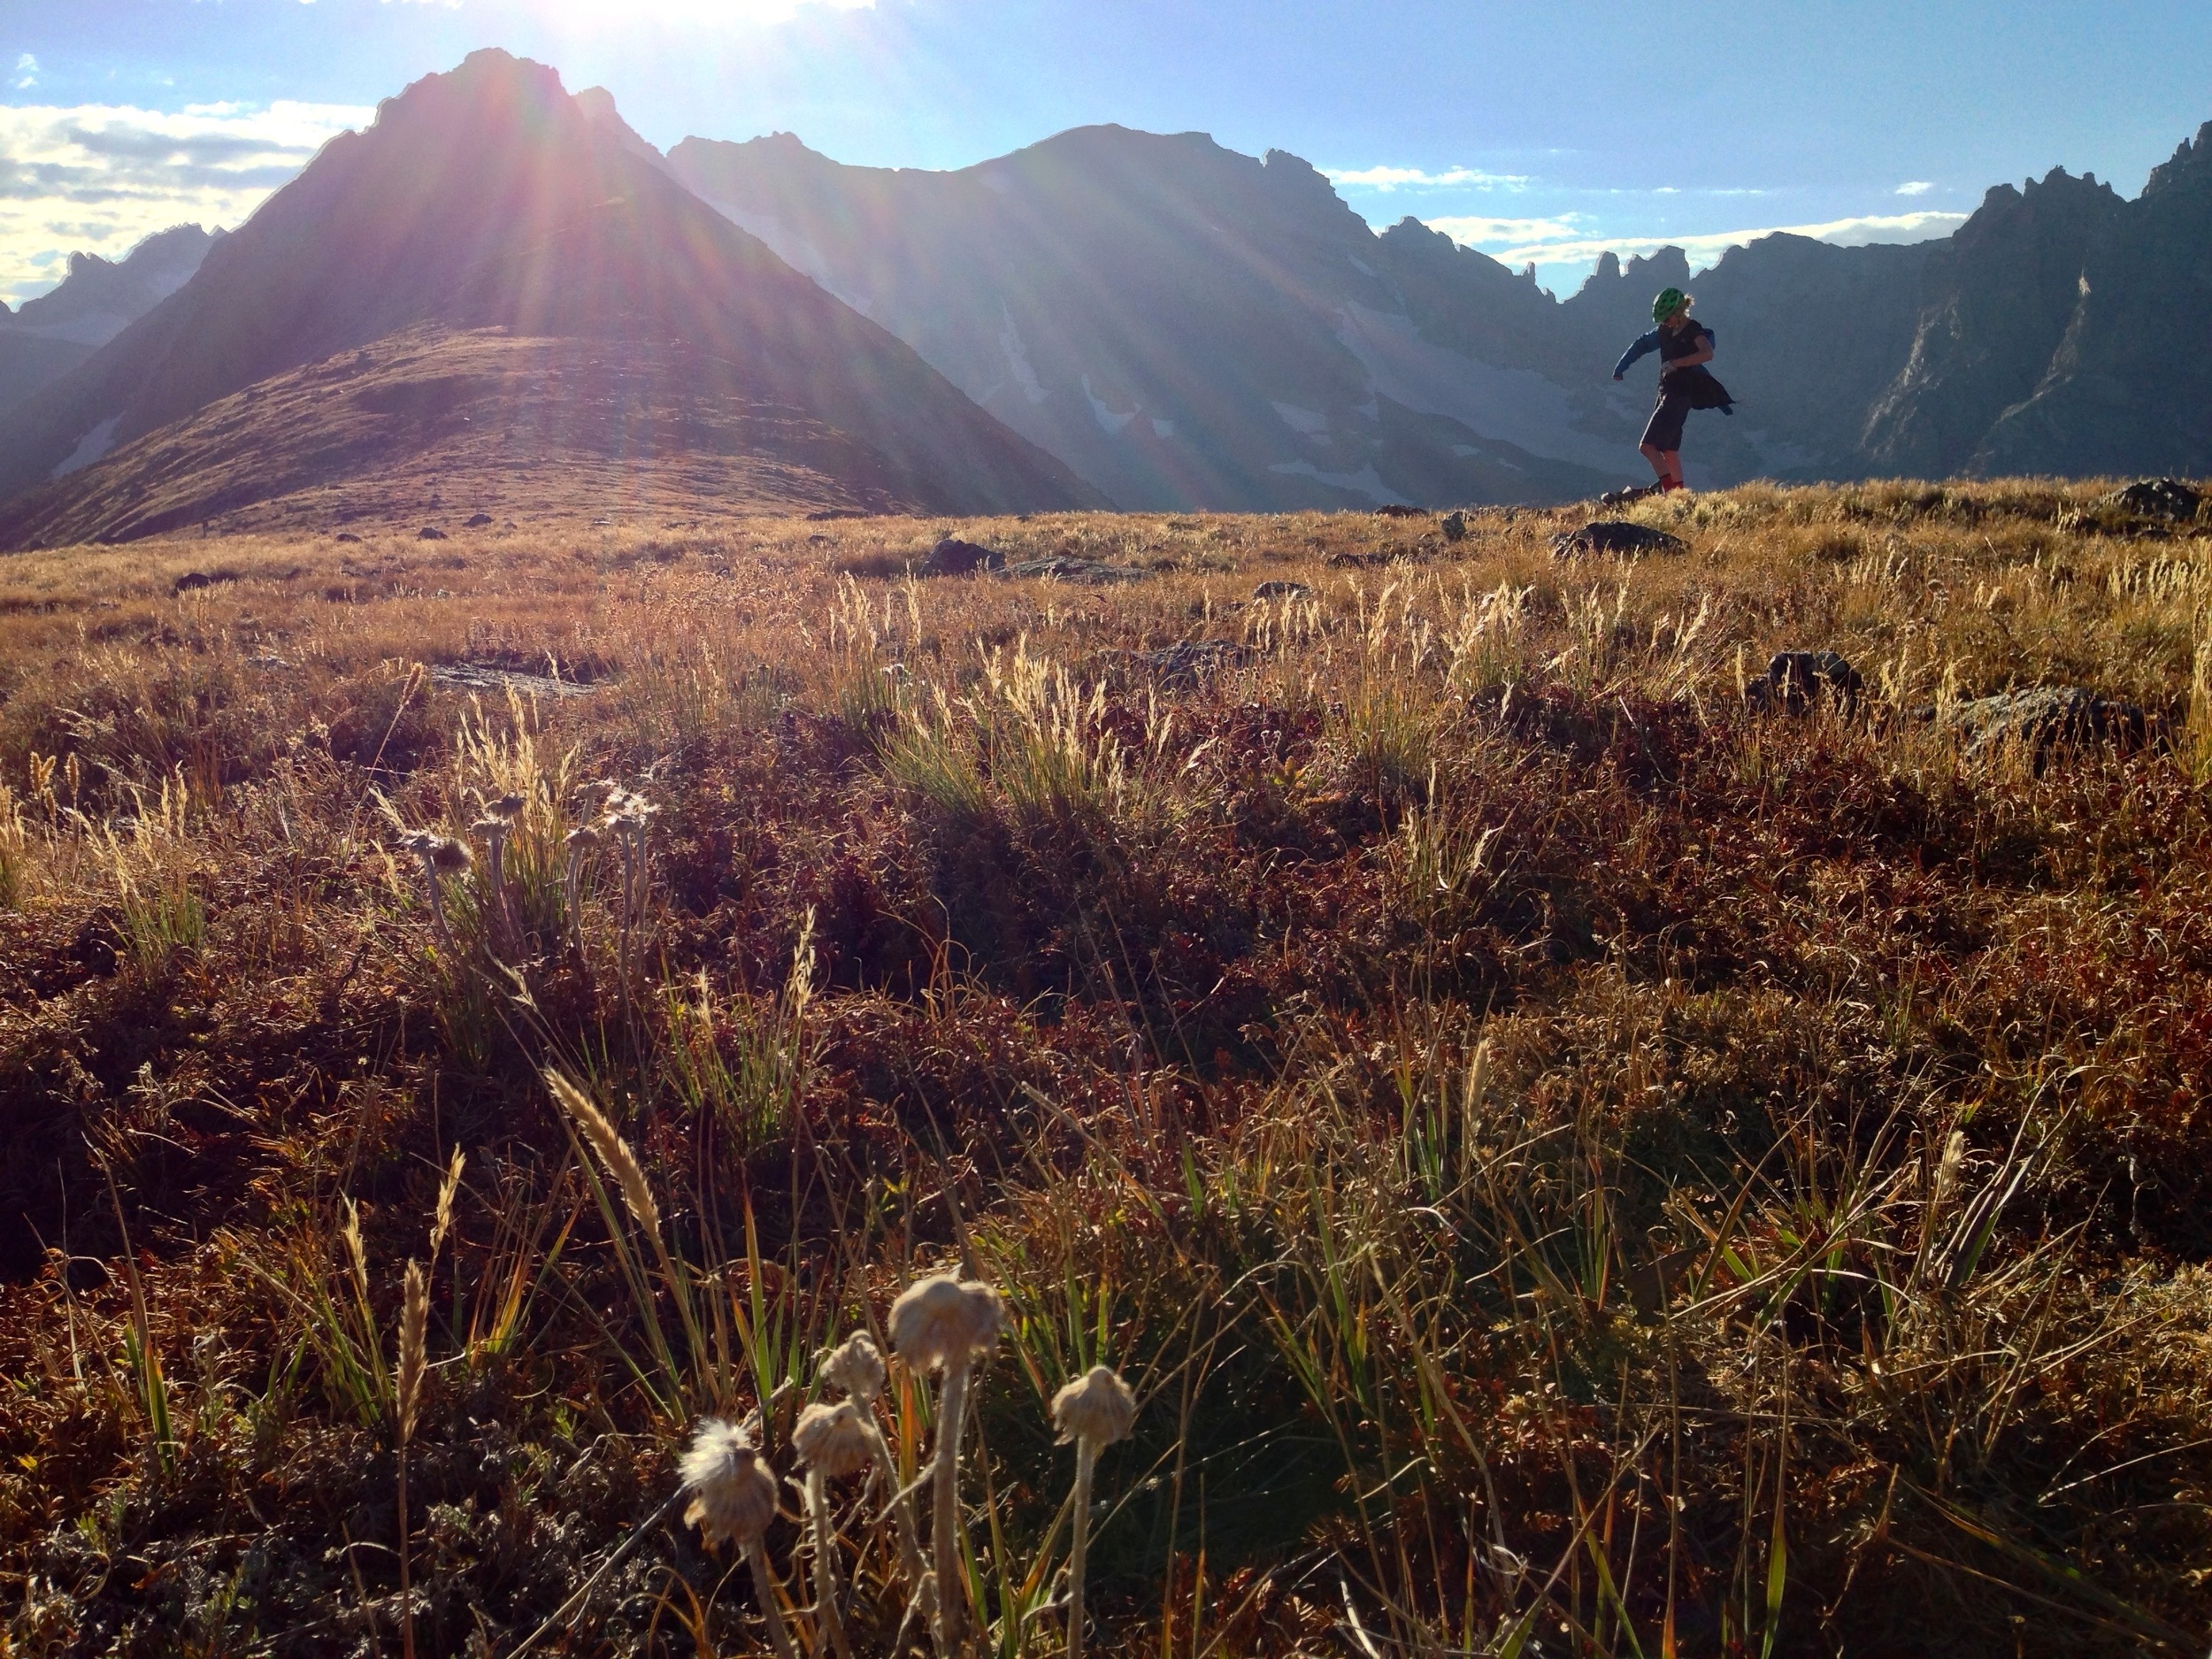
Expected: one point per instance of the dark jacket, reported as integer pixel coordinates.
(1696, 385)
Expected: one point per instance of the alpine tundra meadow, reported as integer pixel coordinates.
(1371, 1083)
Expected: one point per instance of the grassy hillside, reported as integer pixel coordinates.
(1569, 1162)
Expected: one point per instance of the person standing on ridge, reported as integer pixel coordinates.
(1685, 347)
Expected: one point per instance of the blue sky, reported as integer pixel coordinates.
(1540, 132)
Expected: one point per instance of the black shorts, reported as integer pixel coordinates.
(1663, 431)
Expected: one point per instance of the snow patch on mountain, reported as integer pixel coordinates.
(1518, 404)
(1009, 340)
(1109, 421)
(89, 449)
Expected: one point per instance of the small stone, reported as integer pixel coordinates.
(952, 556)
(2155, 498)
(1616, 535)
(1180, 666)
(1795, 681)
(430, 532)
(1060, 568)
(2044, 719)
(1282, 590)
(477, 521)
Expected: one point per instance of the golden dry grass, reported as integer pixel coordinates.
(1561, 1158)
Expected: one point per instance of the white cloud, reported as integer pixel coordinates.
(1561, 242)
(26, 71)
(1386, 180)
(1915, 187)
(100, 177)
(1477, 232)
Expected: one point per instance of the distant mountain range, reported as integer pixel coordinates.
(1187, 325)
(499, 293)
(96, 301)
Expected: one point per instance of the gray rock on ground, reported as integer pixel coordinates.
(1282, 590)
(2155, 498)
(952, 556)
(1614, 536)
(1181, 666)
(1062, 568)
(2046, 718)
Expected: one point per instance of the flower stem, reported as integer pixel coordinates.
(764, 1585)
(902, 1508)
(1086, 1461)
(944, 1526)
(825, 1563)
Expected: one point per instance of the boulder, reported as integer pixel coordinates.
(430, 532)
(1616, 535)
(1455, 526)
(952, 556)
(1282, 590)
(2046, 718)
(477, 521)
(1796, 681)
(2155, 498)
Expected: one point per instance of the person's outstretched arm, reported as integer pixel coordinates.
(1644, 343)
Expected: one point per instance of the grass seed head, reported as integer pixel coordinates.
(855, 1367)
(1097, 1407)
(943, 1320)
(413, 1314)
(733, 1490)
(614, 1150)
(833, 1439)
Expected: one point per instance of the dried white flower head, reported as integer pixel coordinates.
(733, 1490)
(945, 1321)
(491, 829)
(582, 837)
(833, 1439)
(854, 1367)
(448, 856)
(1097, 1407)
(507, 808)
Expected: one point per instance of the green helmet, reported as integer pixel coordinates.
(1669, 301)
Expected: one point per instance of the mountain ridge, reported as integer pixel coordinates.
(50, 334)
(1847, 362)
(486, 197)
